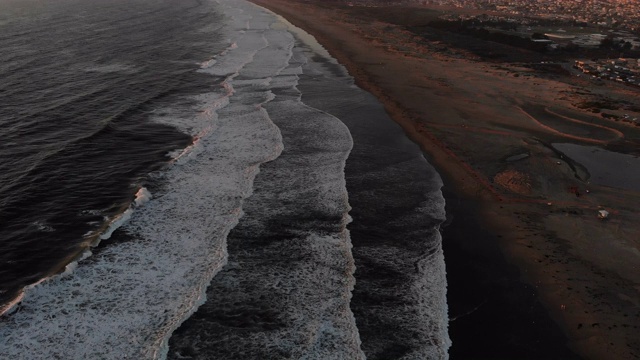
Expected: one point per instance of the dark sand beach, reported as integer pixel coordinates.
(493, 313)
(533, 272)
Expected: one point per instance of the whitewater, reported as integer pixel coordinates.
(255, 232)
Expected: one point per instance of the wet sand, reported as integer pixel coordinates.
(493, 313)
(579, 272)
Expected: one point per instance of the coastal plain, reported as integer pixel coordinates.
(495, 130)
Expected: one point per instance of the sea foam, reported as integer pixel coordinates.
(397, 209)
(261, 160)
(286, 290)
(127, 298)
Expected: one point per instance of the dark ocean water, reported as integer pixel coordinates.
(79, 83)
(215, 150)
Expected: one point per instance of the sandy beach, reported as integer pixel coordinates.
(489, 128)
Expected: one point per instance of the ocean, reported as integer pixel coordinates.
(200, 179)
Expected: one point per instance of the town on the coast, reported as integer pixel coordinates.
(599, 38)
(622, 14)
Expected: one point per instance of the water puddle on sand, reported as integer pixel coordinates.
(605, 167)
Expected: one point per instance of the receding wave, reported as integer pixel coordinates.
(397, 210)
(255, 208)
(285, 292)
(126, 298)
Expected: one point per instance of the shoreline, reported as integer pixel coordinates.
(464, 115)
(484, 288)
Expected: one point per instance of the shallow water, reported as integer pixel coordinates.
(605, 167)
(263, 149)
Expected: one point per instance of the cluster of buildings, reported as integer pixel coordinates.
(608, 13)
(622, 70)
(623, 39)
(618, 20)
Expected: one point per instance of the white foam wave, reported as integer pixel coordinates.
(11, 306)
(311, 286)
(126, 299)
(142, 196)
(116, 222)
(423, 317)
(307, 179)
(93, 238)
(314, 288)
(207, 64)
(68, 270)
